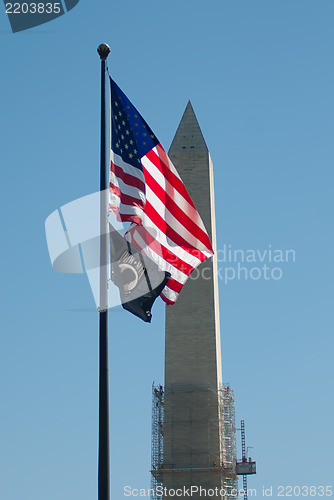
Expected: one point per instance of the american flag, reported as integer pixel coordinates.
(146, 190)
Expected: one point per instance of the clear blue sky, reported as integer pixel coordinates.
(260, 76)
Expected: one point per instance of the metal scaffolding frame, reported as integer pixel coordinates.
(222, 463)
(157, 452)
(228, 436)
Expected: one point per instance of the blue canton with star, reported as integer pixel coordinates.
(132, 138)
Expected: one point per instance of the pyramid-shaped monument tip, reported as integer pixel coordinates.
(188, 137)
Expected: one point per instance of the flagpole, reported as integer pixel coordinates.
(104, 455)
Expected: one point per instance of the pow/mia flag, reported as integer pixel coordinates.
(138, 278)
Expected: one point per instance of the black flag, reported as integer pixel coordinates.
(138, 278)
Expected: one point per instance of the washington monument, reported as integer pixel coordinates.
(193, 440)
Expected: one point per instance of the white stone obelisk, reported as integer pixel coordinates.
(192, 324)
(193, 428)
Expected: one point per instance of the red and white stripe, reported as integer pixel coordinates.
(165, 223)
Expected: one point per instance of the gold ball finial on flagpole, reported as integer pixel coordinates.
(103, 51)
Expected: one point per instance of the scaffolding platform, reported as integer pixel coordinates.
(193, 417)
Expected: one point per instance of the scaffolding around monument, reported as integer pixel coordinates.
(157, 452)
(228, 434)
(223, 462)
